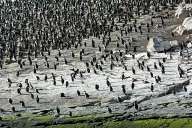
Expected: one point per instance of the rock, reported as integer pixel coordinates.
(58, 121)
(185, 28)
(183, 10)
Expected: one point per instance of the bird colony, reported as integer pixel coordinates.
(90, 56)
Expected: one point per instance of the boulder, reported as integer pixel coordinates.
(185, 28)
(157, 44)
(183, 10)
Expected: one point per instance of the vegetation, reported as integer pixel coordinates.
(91, 121)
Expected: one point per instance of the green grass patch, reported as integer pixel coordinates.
(44, 118)
(8, 118)
(78, 125)
(100, 121)
(151, 123)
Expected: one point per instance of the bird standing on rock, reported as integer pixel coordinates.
(123, 89)
(123, 76)
(10, 101)
(152, 87)
(132, 85)
(136, 105)
(13, 109)
(109, 110)
(108, 82)
(78, 93)
(111, 88)
(62, 80)
(37, 99)
(97, 87)
(133, 70)
(22, 103)
(86, 95)
(58, 110)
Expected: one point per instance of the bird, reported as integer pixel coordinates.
(111, 88)
(119, 99)
(148, 69)
(148, 54)
(80, 57)
(97, 87)
(32, 96)
(160, 64)
(163, 69)
(93, 43)
(159, 78)
(164, 60)
(152, 87)
(27, 81)
(123, 76)
(81, 74)
(86, 95)
(10, 101)
(111, 66)
(73, 55)
(185, 89)
(45, 78)
(57, 58)
(155, 65)
(9, 80)
(31, 85)
(78, 93)
(117, 45)
(66, 84)
(156, 79)
(55, 66)
(27, 88)
(37, 90)
(37, 99)
(36, 66)
(21, 66)
(20, 85)
(136, 105)
(109, 110)
(62, 95)
(53, 75)
(87, 64)
(22, 103)
(62, 80)
(54, 82)
(133, 70)
(100, 68)
(66, 62)
(70, 113)
(123, 89)
(151, 74)
(132, 85)
(94, 71)
(92, 64)
(9, 85)
(13, 109)
(99, 48)
(17, 74)
(47, 65)
(34, 70)
(19, 91)
(38, 78)
(88, 70)
(125, 67)
(108, 82)
(58, 110)
(59, 53)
